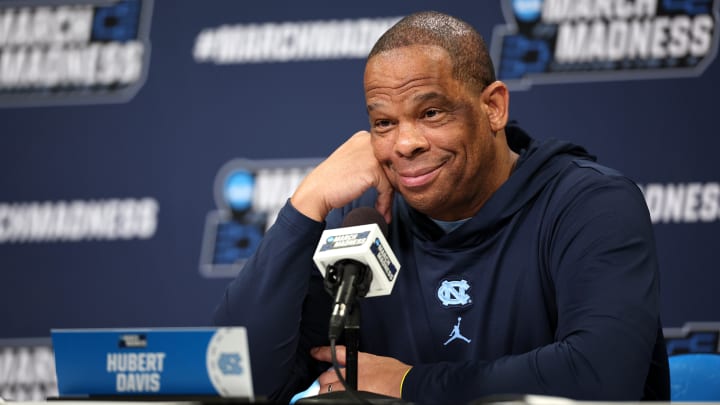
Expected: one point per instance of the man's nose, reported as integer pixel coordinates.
(411, 140)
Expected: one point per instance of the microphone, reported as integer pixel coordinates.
(356, 261)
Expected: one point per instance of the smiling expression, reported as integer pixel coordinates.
(431, 132)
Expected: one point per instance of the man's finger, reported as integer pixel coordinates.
(332, 387)
(322, 353)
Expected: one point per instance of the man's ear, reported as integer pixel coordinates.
(496, 102)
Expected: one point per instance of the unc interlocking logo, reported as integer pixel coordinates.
(229, 363)
(453, 293)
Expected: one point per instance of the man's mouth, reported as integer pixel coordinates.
(415, 178)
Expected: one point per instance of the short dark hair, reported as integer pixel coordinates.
(471, 62)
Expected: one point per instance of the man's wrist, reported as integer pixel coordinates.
(402, 382)
(308, 207)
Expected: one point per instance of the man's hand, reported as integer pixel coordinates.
(344, 176)
(378, 374)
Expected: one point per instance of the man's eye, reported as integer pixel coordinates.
(432, 113)
(382, 123)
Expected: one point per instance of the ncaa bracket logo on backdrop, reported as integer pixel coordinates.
(248, 195)
(565, 41)
(73, 51)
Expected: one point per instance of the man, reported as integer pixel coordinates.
(526, 266)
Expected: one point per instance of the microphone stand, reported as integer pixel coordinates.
(352, 346)
(351, 332)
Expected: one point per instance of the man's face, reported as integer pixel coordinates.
(430, 133)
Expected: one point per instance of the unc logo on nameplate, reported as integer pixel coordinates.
(454, 293)
(228, 363)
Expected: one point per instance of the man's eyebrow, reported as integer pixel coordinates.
(373, 106)
(429, 96)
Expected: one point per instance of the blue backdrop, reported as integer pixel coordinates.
(116, 204)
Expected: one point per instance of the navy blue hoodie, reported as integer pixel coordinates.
(551, 288)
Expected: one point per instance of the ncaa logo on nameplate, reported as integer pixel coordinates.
(564, 41)
(248, 195)
(454, 293)
(73, 51)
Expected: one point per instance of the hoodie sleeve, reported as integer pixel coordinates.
(279, 297)
(599, 250)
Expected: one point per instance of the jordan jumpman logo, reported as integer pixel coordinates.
(455, 334)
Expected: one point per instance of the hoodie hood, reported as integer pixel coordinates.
(538, 164)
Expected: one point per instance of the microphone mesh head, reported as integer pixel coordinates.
(365, 216)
